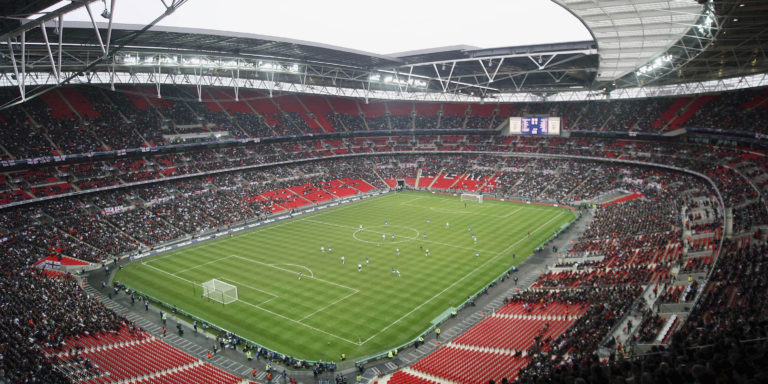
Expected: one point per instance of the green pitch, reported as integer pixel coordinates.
(333, 308)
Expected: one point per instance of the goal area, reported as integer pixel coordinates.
(473, 197)
(220, 291)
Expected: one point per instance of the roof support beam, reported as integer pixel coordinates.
(50, 54)
(32, 24)
(40, 22)
(19, 75)
(96, 29)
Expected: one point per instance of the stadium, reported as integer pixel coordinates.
(188, 204)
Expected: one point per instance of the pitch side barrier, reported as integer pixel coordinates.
(274, 218)
(446, 314)
(355, 155)
(431, 153)
(282, 216)
(208, 325)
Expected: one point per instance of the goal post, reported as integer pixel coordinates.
(472, 197)
(220, 291)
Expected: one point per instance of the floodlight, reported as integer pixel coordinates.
(105, 14)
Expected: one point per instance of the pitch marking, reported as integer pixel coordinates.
(396, 242)
(249, 287)
(326, 306)
(354, 234)
(200, 265)
(288, 270)
(311, 274)
(262, 308)
(458, 281)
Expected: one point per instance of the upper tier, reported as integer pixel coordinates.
(74, 120)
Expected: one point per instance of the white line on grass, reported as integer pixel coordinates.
(212, 242)
(200, 265)
(311, 274)
(254, 288)
(171, 274)
(299, 322)
(412, 200)
(354, 291)
(288, 270)
(264, 309)
(457, 281)
(325, 307)
(534, 231)
(513, 212)
(266, 227)
(409, 238)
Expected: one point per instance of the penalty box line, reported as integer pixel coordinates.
(262, 308)
(274, 296)
(353, 292)
(300, 321)
(290, 271)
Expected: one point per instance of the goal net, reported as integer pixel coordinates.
(473, 197)
(220, 291)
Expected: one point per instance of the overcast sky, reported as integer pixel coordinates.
(377, 27)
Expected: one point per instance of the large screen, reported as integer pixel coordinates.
(533, 125)
(547, 126)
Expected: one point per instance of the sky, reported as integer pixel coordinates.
(383, 28)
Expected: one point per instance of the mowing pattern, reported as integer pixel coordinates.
(318, 285)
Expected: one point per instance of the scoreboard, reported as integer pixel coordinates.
(544, 126)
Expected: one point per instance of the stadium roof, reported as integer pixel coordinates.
(631, 33)
(638, 44)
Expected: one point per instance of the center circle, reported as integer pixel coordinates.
(372, 235)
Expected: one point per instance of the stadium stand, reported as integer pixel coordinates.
(80, 119)
(105, 207)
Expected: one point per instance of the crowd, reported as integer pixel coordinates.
(638, 238)
(135, 117)
(749, 216)
(168, 206)
(606, 306)
(41, 312)
(723, 340)
(529, 178)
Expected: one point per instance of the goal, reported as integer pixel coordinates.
(474, 197)
(220, 291)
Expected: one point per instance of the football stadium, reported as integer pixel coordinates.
(548, 191)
